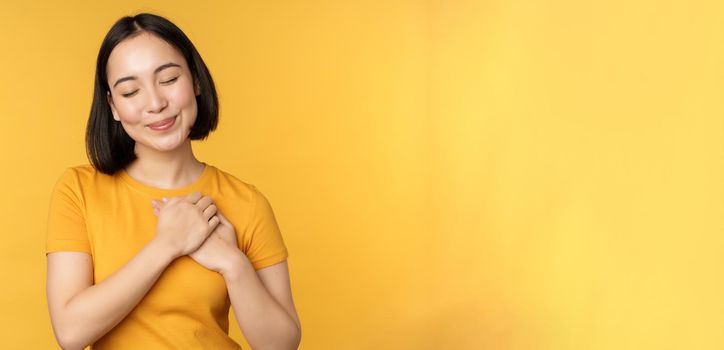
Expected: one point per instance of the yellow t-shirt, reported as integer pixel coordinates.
(111, 218)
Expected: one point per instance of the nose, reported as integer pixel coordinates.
(156, 101)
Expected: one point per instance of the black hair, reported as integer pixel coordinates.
(108, 146)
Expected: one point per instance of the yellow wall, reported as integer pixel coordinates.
(497, 174)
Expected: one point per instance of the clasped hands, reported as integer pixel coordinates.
(192, 225)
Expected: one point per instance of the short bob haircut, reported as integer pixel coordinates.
(108, 146)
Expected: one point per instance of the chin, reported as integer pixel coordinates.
(169, 146)
(165, 146)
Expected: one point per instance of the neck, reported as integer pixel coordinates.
(170, 169)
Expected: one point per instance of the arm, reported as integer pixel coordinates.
(81, 312)
(263, 305)
(262, 300)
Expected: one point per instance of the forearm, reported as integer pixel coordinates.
(93, 312)
(265, 324)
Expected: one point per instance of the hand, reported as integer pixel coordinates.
(219, 252)
(185, 222)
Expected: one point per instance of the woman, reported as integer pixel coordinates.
(147, 246)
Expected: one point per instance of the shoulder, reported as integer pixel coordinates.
(83, 172)
(81, 176)
(229, 184)
(238, 194)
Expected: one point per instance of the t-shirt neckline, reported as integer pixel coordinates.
(168, 192)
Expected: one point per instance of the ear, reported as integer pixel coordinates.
(113, 107)
(197, 87)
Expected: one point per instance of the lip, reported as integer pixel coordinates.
(163, 124)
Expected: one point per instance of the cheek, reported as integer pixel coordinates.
(185, 100)
(184, 96)
(129, 112)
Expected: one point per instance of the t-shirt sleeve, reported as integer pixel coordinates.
(265, 246)
(66, 220)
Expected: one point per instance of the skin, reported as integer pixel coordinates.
(150, 81)
(165, 158)
(219, 250)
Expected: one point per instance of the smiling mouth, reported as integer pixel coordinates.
(163, 123)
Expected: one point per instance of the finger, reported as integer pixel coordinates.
(223, 219)
(158, 205)
(156, 212)
(204, 202)
(171, 200)
(193, 197)
(213, 222)
(209, 212)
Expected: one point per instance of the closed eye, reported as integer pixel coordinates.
(163, 82)
(169, 81)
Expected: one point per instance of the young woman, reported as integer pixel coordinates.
(147, 246)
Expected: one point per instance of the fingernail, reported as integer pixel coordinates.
(165, 199)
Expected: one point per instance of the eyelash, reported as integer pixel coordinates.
(163, 82)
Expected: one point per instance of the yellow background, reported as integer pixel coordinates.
(497, 174)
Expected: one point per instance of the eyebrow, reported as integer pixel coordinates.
(160, 68)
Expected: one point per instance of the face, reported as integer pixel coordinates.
(152, 94)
